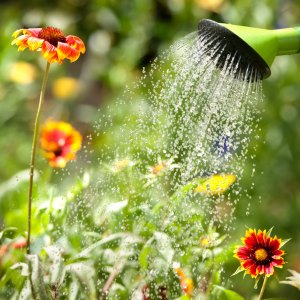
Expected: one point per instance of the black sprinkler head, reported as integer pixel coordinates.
(244, 63)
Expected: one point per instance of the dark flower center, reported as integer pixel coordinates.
(58, 152)
(52, 35)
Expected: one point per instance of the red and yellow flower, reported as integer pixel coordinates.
(260, 253)
(52, 42)
(59, 142)
(186, 283)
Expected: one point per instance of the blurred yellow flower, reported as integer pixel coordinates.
(161, 167)
(66, 88)
(120, 165)
(210, 5)
(216, 184)
(22, 72)
(205, 241)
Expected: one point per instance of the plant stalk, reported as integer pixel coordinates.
(112, 276)
(262, 288)
(33, 150)
(31, 170)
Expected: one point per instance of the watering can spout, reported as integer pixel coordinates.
(255, 48)
(269, 43)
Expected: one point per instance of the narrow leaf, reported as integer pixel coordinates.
(238, 270)
(37, 276)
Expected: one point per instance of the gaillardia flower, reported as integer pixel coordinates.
(59, 142)
(52, 42)
(186, 283)
(260, 254)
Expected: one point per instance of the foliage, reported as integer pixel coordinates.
(104, 214)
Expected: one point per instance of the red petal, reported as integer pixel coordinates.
(253, 271)
(269, 270)
(63, 51)
(32, 31)
(261, 238)
(250, 241)
(76, 42)
(277, 253)
(275, 244)
(277, 262)
(74, 55)
(248, 263)
(243, 252)
(49, 52)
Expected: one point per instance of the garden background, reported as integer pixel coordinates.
(121, 38)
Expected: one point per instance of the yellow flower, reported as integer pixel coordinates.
(120, 165)
(210, 5)
(66, 88)
(216, 184)
(22, 72)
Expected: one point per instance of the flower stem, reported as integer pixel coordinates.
(262, 288)
(117, 268)
(33, 150)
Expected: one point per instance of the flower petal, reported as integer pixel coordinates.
(34, 43)
(251, 258)
(63, 50)
(49, 52)
(76, 42)
(248, 263)
(32, 31)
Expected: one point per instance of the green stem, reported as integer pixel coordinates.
(31, 172)
(117, 268)
(33, 150)
(263, 288)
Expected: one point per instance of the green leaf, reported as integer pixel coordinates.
(16, 180)
(25, 293)
(238, 270)
(229, 294)
(164, 246)
(185, 297)
(57, 268)
(37, 276)
(270, 231)
(188, 188)
(284, 242)
(85, 273)
(8, 232)
(111, 238)
(143, 259)
(23, 266)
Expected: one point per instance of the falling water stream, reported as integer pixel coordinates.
(187, 113)
(184, 119)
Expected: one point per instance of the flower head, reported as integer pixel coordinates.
(216, 184)
(55, 46)
(60, 142)
(66, 88)
(260, 254)
(186, 283)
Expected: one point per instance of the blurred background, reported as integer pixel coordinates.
(121, 38)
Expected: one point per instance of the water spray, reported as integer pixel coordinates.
(252, 49)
